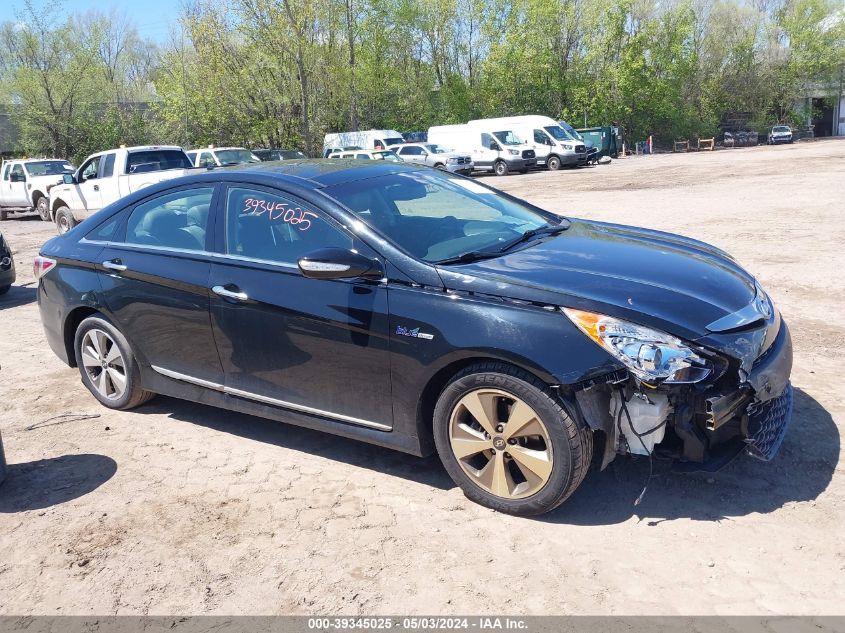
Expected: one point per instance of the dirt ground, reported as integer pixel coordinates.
(181, 508)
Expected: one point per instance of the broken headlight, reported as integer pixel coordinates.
(651, 355)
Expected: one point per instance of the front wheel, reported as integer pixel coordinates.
(501, 168)
(553, 163)
(43, 208)
(65, 220)
(505, 438)
(107, 365)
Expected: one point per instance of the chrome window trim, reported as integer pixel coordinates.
(267, 400)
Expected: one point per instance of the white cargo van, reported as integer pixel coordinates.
(554, 147)
(363, 139)
(493, 149)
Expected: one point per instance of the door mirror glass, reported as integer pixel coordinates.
(68, 179)
(339, 263)
(17, 177)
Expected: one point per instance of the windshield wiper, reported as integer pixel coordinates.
(531, 233)
(466, 258)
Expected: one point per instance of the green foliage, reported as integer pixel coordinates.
(285, 72)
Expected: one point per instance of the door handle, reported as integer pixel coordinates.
(96, 187)
(114, 265)
(229, 294)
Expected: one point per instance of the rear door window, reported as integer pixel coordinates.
(156, 160)
(108, 165)
(173, 220)
(271, 227)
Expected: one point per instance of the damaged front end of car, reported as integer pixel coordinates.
(700, 402)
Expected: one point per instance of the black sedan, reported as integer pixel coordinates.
(7, 266)
(422, 311)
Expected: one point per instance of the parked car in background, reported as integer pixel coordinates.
(436, 156)
(365, 139)
(367, 154)
(105, 177)
(552, 146)
(221, 156)
(780, 134)
(278, 154)
(422, 311)
(495, 150)
(7, 266)
(25, 184)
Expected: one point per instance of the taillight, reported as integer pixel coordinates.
(41, 266)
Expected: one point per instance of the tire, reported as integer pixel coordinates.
(558, 439)
(94, 345)
(4, 215)
(5, 289)
(553, 163)
(500, 168)
(440, 166)
(43, 208)
(65, 220)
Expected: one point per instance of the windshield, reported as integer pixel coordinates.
(437, 216)
(573, 134)
(397, 140)
(558, 133)
(782, 128)
(49, 168)
(508, 138)
(235, 156)
(437, 149)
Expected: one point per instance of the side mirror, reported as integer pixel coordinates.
(68, 179)
(339, 263)
(15, 177)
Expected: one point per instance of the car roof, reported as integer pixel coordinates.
(312, 173)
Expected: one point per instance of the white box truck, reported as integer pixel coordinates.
(493, 149)
(553, 146)
(363, 139)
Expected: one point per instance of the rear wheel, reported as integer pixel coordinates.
(506, 440)
(107, 365)
(43, 208)
(65, 220)
(500, 167)
(553, 163)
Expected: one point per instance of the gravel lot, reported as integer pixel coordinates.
(181, 508)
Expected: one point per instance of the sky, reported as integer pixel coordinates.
(152, 18)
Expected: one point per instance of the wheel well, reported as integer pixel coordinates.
(36, 196)
(58, 203)
(77, 316)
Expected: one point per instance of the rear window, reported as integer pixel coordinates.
(49, 168)
(156, 160)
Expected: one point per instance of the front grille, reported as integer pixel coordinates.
(580, 149)
(767, 425)
(528, 153)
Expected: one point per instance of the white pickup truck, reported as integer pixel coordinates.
(24, 184)
(108, 176)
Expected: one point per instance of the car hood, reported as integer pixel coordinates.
(659, 279)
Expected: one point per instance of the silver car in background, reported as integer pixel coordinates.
(436, 156)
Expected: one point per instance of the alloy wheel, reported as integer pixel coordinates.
(104, 364)
(500, 443)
